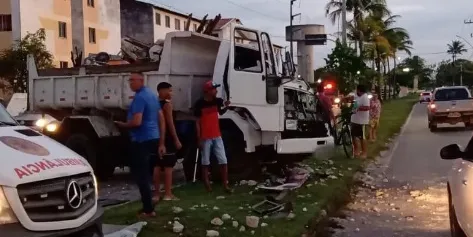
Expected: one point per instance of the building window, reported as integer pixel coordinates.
(92, 38)
(158, 19)
(177, 24)
(62, 29)
(5, 23)
(63, 64)
(195, 27)
(168, 21)
(90, 3)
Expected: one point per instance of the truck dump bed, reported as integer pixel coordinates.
(187, 61)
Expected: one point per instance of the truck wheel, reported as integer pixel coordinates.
(241, 165)
(83, 146)
(432, 127)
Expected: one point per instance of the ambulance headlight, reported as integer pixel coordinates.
(7, 216)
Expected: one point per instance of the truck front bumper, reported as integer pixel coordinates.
(303, 145)
(91, 227)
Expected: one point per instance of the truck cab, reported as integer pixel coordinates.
(270, 114)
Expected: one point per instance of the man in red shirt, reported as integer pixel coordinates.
(209, 137)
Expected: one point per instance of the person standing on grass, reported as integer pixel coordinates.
(359, 120)
(209, 136)
(172, 142)
(146, 124)
(375, 113)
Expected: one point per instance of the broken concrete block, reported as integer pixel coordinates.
(212, 233)
(177, 227)
(216, 221)
(252, 221)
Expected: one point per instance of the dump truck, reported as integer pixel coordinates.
(271, 115)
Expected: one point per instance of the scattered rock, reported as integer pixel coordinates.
(235, 224)
(220, 197)
(304, 209)
(226, 217)
(216, 221)
(376, 209)
(212, 233)
(323, 213)
(241, 208)
(415, 193)
(252, 183)
(243, 182)
(242, 228)
(385, 180)
(252, 221)
(357, 229)
(177, 210)
(409, 218)
(177, 227)
(291, 216)
(216, 208)
(264, 224)
(252, 232)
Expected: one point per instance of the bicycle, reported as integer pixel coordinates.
(343, 132)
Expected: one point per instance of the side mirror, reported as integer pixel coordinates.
(451, 152)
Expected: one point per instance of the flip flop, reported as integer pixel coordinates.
(156, 199)
(173, 198)
(146, 215)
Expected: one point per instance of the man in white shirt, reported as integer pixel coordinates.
(359, 120)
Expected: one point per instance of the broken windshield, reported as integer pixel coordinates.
(6, 118)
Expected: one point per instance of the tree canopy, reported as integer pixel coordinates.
(13, 64)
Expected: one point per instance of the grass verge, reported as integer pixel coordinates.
(321, 196)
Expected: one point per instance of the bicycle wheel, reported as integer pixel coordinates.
(347, 142)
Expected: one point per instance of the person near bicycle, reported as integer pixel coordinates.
(359, 121)
(375, 113)
(327, 105)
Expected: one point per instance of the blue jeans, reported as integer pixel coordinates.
(143, 159)
(215, 146)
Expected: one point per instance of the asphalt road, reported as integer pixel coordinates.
(406, 191)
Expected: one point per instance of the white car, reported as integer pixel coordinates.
(425, 97)
(460, 188)
(45, 188)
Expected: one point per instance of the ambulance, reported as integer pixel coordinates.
(46, 189)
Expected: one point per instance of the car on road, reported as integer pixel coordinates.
(450, 105)
(46, 189)
(460, 188)
(425, 97)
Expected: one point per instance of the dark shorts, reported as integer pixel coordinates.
(358, 131)
(169, 159)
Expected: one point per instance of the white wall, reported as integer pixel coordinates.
(109, 20)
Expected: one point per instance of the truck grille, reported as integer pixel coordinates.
(60, 199)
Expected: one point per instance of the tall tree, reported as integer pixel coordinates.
(456, 48)
(357, 8)
(13, 65)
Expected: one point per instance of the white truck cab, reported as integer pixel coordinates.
(45, 188)
(270, 115)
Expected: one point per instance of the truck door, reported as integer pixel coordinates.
(247, 85)
(271, 77)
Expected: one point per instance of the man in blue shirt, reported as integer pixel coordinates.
(146, 124)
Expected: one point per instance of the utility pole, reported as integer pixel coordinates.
(461, 74)
(344, 22)
(291, 18)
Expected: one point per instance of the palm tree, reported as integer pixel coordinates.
(456, 48)
(357, 8)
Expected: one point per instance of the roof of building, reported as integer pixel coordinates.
(167, 9)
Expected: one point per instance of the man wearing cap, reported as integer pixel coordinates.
(209, 136)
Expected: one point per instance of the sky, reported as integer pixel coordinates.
(432, 24)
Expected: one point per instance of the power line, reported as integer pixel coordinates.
(254, 11)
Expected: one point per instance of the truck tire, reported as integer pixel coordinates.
(83, 146)
(432, 127)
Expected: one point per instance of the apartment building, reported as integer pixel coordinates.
(91, 25)
(149, 22)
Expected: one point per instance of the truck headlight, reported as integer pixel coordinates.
(291, 124)
(7, 216)
(52, 127)
(41, 123)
